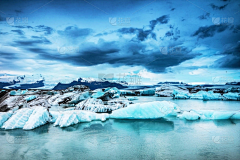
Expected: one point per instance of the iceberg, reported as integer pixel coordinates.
(180, 95)
(92, 104)
(211, 96)
(189, 115)
(206, 95)
(132, 98)
(39, 116)
(54, 115)
(4, 116)
(236, 115)
(209, 115)
(18, 92)
(29, 98)
(18, 119)
(99, 93)
(150, 110)
(67, 118)
(232, 96)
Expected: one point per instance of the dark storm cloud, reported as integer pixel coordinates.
(144, 34)
(209, 31)
(218, 7)
(18, 31)
(162, 20)
(111, 53)
(23, 27)
(42, 28)
(18, 11)
(33, 41)
(231, 58)
(3, 33)
(2, 18)
(7, 55)
(204, 16)
(75, 32)
(141, 35)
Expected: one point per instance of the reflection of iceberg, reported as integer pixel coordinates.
(156, 125)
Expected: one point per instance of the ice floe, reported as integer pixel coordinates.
(4, 116)
(148, 110)
(67, 118)
(39, 116)
(209, 115)
(232, 96)
(18, 119)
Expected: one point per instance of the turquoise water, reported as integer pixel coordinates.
(158, 139)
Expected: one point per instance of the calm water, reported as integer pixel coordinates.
(159, 139)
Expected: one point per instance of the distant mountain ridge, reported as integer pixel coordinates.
(91, 84)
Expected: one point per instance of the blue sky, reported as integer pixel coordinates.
(162, 40)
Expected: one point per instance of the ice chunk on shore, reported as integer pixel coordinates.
(156, 109)
(4, 116)
(39, 116)
(18, 119)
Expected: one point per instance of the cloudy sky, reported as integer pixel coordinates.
(162, 40)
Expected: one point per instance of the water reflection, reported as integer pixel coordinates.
(126, 139)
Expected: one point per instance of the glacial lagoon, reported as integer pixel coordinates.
(161, 139)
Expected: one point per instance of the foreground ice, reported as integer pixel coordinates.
(148, 110)
(18, 119)
(39, 116)
(67, 118)
(4, 117)
(30, 118)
